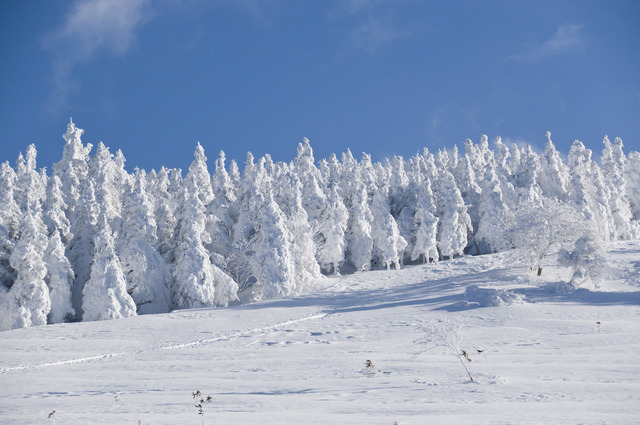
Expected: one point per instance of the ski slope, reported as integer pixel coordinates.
(535, 356)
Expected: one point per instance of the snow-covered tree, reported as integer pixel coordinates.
(527, 169)
(632, 178)
(9, 210)
(491, 234)
(298, 225)
(588, 191)
(388, 245)
(59, 279)
(104, 295)
(467, 182)
(105, 172)
(197, 282)
(200, 173)
(54, 211)
(540, 229)
(165, 207)
(587, 260)
(426, 226)
(330, 236)
(359, 239)
(223, 210)
(29, 185)
(72, 169)
(81, 249)
(7, 273)
(313, 198)
(147, 274)
(554, 176)
(27, 302)
(454, 222)
(613, 164)
(272, 262)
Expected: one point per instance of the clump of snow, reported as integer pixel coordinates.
(490, 297)
(559, 287)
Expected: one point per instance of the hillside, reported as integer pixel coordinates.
(547, 357)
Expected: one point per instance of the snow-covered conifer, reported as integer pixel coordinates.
(632, 178)
(104, 295)
(334, 174)
(426, 225)
(454, 223)
(359, 239)
(330, 236)
(197, 282)
(80, 250)
(272, 264)
(147, 274)
(467, 182)
(313, 199)
(613, 164)
(349, 176)
(554, 176)
(198, 169)
(165, 207)
(9, 210)
(222, 184)
(588, 191)
(388, 244)
(54, 211)
(59, 279)
(491, 233)
(7, 273)
(527, 170)
(29, 186)
(28, 298)
(297, 223)
(72, 169)
(367, 174)
(223, 212)
(400, 197)
(105, 175)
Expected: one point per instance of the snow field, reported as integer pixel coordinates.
(302, 360)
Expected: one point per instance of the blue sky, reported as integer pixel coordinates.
(153, 77)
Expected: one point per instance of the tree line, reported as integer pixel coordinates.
(91, 241)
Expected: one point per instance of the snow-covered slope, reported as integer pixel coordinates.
(536, 356)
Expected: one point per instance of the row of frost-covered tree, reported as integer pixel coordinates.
(90, 241)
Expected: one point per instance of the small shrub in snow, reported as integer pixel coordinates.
(201, 402)
(370, 369)
(447, 333)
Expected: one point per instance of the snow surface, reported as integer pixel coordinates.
(554, 358)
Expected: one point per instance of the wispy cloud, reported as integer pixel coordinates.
(90, 28)
(376, 32)
(347, 8)
(568, 37)
(374, 22)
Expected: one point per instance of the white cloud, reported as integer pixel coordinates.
(373, 23)
(347, 8)
(92, 26)
(376, 32)
(568, 37)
